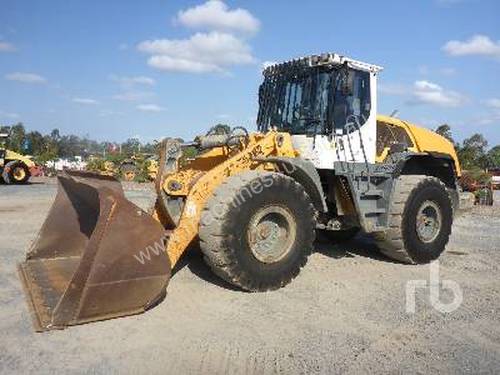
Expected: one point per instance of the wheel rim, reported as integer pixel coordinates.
(429, 221)
(19, 173)
(271, 234)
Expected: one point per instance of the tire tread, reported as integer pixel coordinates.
(391, 243)
(218, 255)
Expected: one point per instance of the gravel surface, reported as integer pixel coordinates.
(345, 313)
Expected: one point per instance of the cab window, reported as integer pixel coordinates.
(354, 105)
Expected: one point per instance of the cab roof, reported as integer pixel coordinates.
(325, 59)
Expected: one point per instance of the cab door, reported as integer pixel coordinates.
(354, 123)
(350, 134)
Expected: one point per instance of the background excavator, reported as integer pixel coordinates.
(321, 160)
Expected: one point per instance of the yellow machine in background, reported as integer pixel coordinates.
(136, 168)
(142, 167)
(14, 167)
(321, 161)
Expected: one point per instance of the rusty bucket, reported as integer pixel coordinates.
(97, 256)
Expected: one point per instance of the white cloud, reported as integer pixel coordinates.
(123, 46)
(426, 92)
(216, 15)
(150, 108)
(393, 89)
(10, 115)
(480, 45)
(7, 47)
(201, 53)
(133, 96)
(487, 119)
(493, 103)
(427, 86)
(130, 81)
(182, 65)
(84, 101)
(25, 77)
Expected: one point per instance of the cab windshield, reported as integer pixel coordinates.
(296, 103)
(310, 101)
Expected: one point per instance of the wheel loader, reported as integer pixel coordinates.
(144, 166)
(321, 160)
(14, 167)
(137, 167)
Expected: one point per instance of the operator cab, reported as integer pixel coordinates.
(328, 103)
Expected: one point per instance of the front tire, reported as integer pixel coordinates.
(16, 172)
(420, 220)
(257, 230)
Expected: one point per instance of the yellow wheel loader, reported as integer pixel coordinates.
(321, 160)
(140, 166)
(14, 167)
(131, 169)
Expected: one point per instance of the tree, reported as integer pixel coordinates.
(71, 146)
(50, 146)
(472, 153)
(494, 157)
(476, 142)
(50, 150)
(16, 138)
(55, 135)
(445, 131)
(131, 146)
(36, 143)
(150, 148)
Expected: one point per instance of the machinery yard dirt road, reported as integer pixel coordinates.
(345, 313)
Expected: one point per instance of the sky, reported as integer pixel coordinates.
(116, 69)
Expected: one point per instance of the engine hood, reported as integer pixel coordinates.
(11, 155)
(426, 140)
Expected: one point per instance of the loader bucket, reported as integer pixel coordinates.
(97, 256)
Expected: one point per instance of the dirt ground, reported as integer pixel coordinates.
(345, 313)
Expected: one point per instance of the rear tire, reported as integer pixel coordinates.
(257, 230)
(420, 220)
(16, 172)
